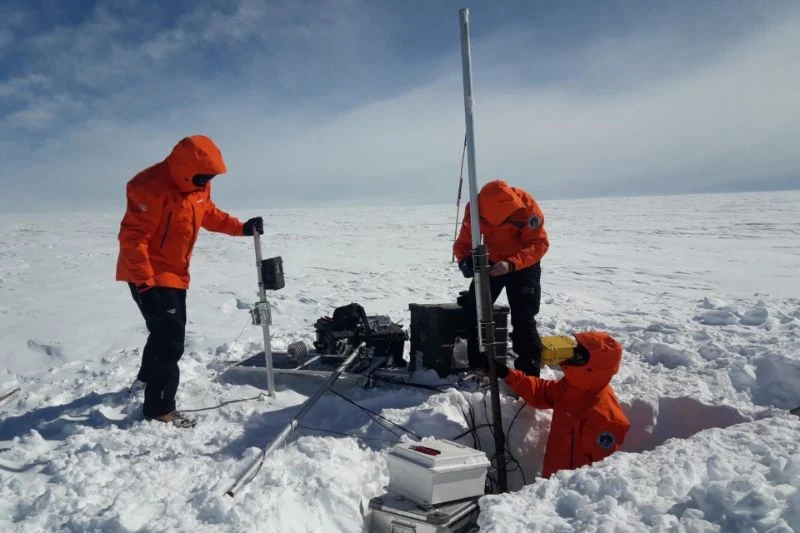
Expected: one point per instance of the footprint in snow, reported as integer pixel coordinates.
(724, 317)
(755, 317)
(51, 350)
(712, 303)
(662, 327)
(717, 318)
(670, 357)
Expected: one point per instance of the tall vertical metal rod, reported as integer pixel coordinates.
(262, 294)
(483, 299)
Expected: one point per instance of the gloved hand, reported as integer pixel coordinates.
(501, 369)
(501, 269)
(256, 224)
(467, 267)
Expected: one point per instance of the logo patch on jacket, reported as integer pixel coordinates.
(534, 222)
(606, 440)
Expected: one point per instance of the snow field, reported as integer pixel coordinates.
(701, 291)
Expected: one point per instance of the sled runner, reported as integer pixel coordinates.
(336, 336)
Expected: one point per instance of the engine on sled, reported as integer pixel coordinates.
(336, 336)
(350, 325)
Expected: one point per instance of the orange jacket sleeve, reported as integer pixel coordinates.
(221, 222)
(141, 218)
(463, 245)
(540, 393)
(533, 235)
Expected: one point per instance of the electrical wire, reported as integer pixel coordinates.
(425, 386)
(223, 404)
(458, 201)
(234, 363)
(472, 429)
(469, 417)
(369, 411)
(343, 434)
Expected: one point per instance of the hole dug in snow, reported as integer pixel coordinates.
(771, 380)
(651, 425)
(671, 418)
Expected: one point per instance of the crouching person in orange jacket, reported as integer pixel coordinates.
(167, 204)
(588, 423)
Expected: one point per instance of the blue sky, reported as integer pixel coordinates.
(350, 101)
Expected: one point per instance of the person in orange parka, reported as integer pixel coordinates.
(588, 423)
(167, 204)
(513, 227)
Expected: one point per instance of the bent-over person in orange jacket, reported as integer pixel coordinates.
(513, 227)
(588, 423)
(167, 204)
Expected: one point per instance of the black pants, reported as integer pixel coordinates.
(166, 324)
(524, 293)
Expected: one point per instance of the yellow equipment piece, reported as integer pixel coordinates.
(557, 348)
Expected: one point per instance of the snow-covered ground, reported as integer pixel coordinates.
(702, 291)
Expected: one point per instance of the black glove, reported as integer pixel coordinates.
(501, 369)
(256, 224)
(467, 267)
(462, 298)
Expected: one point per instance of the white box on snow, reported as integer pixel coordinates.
(437, 471)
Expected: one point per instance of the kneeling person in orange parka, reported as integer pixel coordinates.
(588, 423)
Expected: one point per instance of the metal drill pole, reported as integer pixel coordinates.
(265, 320)
(483, 299)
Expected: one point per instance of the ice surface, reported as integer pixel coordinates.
(702, 291)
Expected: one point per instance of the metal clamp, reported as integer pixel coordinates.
(261, 314)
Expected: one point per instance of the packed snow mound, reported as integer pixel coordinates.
(718, 313)
(742, 478)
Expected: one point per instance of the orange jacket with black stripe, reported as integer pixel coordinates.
(165, 211)
(512, 224)
(588, 422)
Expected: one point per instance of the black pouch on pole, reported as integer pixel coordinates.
(272, 273)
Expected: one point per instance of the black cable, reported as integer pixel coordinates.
(471, 424)
(415, 385)
(345, 398)
(223, 404)
(507, 452)
(471, 430)
(345, 434)
(508, 446)
(469, 418)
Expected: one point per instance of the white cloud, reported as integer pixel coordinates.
(721, 122)
(635, 114)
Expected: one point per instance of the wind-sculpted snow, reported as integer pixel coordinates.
(743, 478)
(702, 291)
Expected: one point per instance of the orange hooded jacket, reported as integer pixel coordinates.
(165, 212)
(588, 423)
(512, 224)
